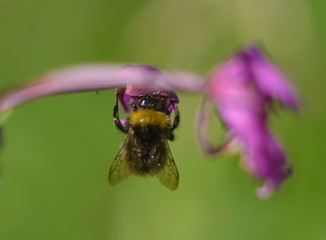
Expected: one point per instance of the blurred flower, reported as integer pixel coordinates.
(131, 91)
(242, 89)
(96, 77)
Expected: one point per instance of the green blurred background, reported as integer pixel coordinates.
(58, 149)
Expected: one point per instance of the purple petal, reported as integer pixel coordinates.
(185, 81)
(242, 106)
(73, 79)
(270, 81)
(230, 84)
(132, 91)
(202, 123)
(262, 154)
(94, 77)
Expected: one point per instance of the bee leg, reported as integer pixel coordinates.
(175, 124)
(116, 118)
(170, 136)
(176, 120)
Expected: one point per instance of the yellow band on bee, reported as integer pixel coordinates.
(145, 117)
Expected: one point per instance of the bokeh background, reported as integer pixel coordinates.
(58, 150)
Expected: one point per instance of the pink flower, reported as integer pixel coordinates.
(96, 77)
(242, 89)
(131, 91)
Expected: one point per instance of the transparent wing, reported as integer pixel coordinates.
(169, 175)
(119, 170)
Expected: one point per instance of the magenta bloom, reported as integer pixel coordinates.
(242, 89)
(96, 77)
(131, 91)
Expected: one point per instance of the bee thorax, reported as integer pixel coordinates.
(149, 117)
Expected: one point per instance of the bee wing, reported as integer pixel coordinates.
(119, 170)
(168, 175)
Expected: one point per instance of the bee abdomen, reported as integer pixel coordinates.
(145, 164)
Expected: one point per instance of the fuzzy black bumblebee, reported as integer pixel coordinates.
(145, 151)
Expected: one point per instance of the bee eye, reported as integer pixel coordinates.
(132, 105)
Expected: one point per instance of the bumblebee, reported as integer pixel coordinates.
(145, 150)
